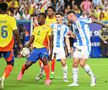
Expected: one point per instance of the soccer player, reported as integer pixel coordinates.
(82, 47)
(41, 35)
(49, 20)
(7, 29)
(60, 38)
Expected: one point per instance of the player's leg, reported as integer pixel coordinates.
(45, 59)
(34, 56)
(65, 69)
(10, 63)
(41, 73)
(52, 68)
(75, 72)
(88, 70)
(84, 56)
(76, 61)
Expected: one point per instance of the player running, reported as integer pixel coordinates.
(7, 29)
(41, 35)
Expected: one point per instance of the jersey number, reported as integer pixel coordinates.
(4, 32)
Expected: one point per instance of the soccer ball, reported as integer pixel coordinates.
(25, 52)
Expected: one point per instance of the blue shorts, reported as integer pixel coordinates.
(9, 56)
(37, 53)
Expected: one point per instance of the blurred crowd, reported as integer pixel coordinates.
(25, 9)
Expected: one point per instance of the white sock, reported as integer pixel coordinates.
(75, 75)
(89, 71)
(65, 69)
(42, 69)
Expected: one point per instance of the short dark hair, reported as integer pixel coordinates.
(70, 12)
(60, 13)
(3, 6)
(51, 8)
(43, 14)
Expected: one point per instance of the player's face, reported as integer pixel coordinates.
(59, 18)
(50, 12)
(71, 17)
(41, 19)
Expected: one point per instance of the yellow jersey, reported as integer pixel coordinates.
(49, 21)
(7, 25)
(41, 34)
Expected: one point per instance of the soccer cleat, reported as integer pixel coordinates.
(93, 81)
(40, 76)
(48, 82)
(73, 84)
(52, 75)
(20, 75)
(65, 80)
(1, 83)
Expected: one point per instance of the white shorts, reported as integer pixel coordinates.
(58, 53)
(82, 52)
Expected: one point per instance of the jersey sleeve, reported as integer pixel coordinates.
(13, 24)
(66, 31)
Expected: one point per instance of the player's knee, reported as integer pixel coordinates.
(63, 63)
(82, 64)
(28, 64)
(45, 59)
(75, 64)
(11, 63)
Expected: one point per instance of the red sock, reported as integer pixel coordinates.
(47, 71)
(53, 64)
(40, 63)
(8, 70)
(23, 68)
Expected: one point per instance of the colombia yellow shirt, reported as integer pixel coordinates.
(49, 21)
(41, 34)
(7, 25)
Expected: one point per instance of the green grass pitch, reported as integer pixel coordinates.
(98, 65)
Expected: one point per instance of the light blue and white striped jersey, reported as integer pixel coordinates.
(59, 32)
(82, 32)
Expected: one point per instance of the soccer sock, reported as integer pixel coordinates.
(7, 71)
(47, 71)
(53, 65)
(23, 68)
(89, 71)
(40, 63)
(65, 69)
(42, 69)
(75, 75)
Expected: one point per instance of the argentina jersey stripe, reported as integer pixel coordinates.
(87, 38)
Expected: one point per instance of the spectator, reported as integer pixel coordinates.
(97, 2)
(97, 12)
(86, 5)
(102, 17)
(77, 10)
(17, 14)
(26, 15)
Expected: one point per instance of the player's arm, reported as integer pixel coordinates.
(71, 34)
(51, 44)
(100, 22)
(67, 41)
(30, 41)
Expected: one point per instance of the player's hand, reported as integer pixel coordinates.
(69, 50)
(21, 46)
